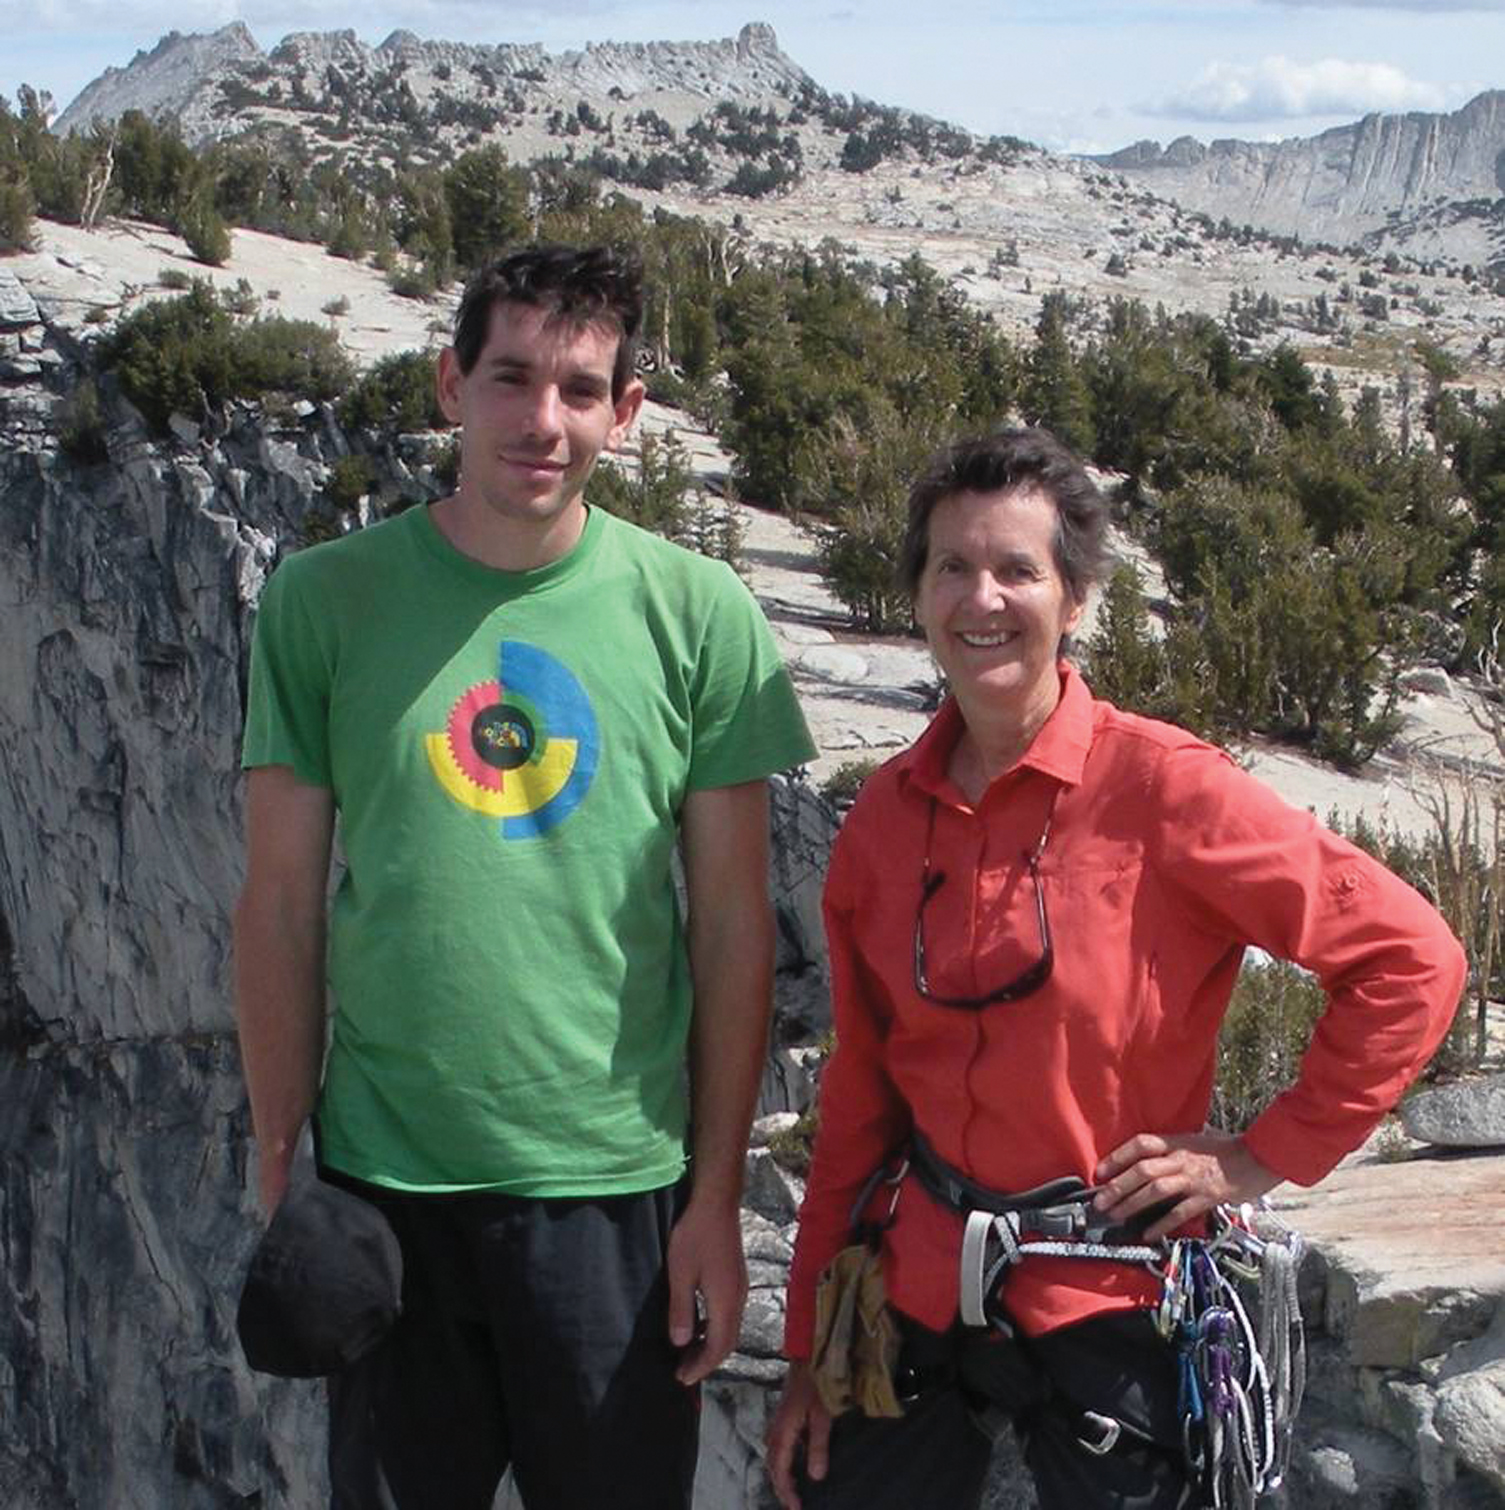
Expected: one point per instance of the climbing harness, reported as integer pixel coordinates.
(1240, 1379)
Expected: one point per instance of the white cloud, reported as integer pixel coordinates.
(1277, 88)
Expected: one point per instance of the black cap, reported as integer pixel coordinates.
(324, 1286)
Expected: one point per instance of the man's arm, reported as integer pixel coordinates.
(279, 961)
(731, 937)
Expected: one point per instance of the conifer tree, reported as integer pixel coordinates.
(1055, 394)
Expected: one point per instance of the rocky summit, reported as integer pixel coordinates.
(221, 84)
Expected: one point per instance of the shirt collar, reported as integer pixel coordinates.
(1058, 750)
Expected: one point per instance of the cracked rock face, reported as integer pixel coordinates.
(124, 1221)
(124, 1217)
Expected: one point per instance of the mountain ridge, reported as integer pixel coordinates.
(1427, 185)
(1359, 178)
(188, 75)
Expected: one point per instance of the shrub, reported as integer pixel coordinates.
(487, 200)
(183, 355)
(1270, 1019)
(1125, 662)
(792, 1146)
(859, 480)
(860, 152)
(243, 299)
(204, 229)
(840, 788)
(397, 394)
(1460, 868)
(414, 280)
(712, 527)
(444, 458)
(17, 207)
(295, 357)
(667, 387)
(350, 234)
(657, 497)
(81, 427)
(753, 182)
(350, 479)
(172, 357)
(1293, 640)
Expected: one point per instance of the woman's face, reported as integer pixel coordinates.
(992, 601)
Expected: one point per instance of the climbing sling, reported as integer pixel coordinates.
(1228, 1307)
(855, 1349)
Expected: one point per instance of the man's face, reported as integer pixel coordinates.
(535, 412)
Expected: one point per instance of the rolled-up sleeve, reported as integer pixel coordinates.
(1245, 864)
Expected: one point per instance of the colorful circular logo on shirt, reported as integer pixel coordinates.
(521, 748)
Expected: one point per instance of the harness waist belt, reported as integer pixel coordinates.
(1060, 1210)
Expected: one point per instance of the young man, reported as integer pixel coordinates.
(516, 706)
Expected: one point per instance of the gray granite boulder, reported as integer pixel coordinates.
(1469, 1408)
(1467, 1114)
(1470, 1418)
(772, 1191)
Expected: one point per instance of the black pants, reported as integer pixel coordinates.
(936, 1456)
(534, 1335)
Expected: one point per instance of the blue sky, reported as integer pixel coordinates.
(1075, 75)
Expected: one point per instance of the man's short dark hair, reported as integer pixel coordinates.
(594, 285)
(1007, 459)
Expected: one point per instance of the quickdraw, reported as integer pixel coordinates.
(1240, 1384)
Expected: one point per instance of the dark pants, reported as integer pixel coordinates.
(936, 1456)
(534, 1335)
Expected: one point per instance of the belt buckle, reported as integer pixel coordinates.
(1111, 1430)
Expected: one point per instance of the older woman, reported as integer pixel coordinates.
(1035, 917)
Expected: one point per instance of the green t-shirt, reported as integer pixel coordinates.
(509, 754)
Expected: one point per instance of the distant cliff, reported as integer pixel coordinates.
(218, 84)
(1345, 184)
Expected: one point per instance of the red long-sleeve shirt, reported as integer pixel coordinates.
(1164, 860)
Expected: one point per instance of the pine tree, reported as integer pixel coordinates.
(1055, 394)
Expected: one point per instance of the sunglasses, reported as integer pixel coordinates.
(1028, 981)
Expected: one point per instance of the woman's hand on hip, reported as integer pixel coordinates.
(1195, 1170)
